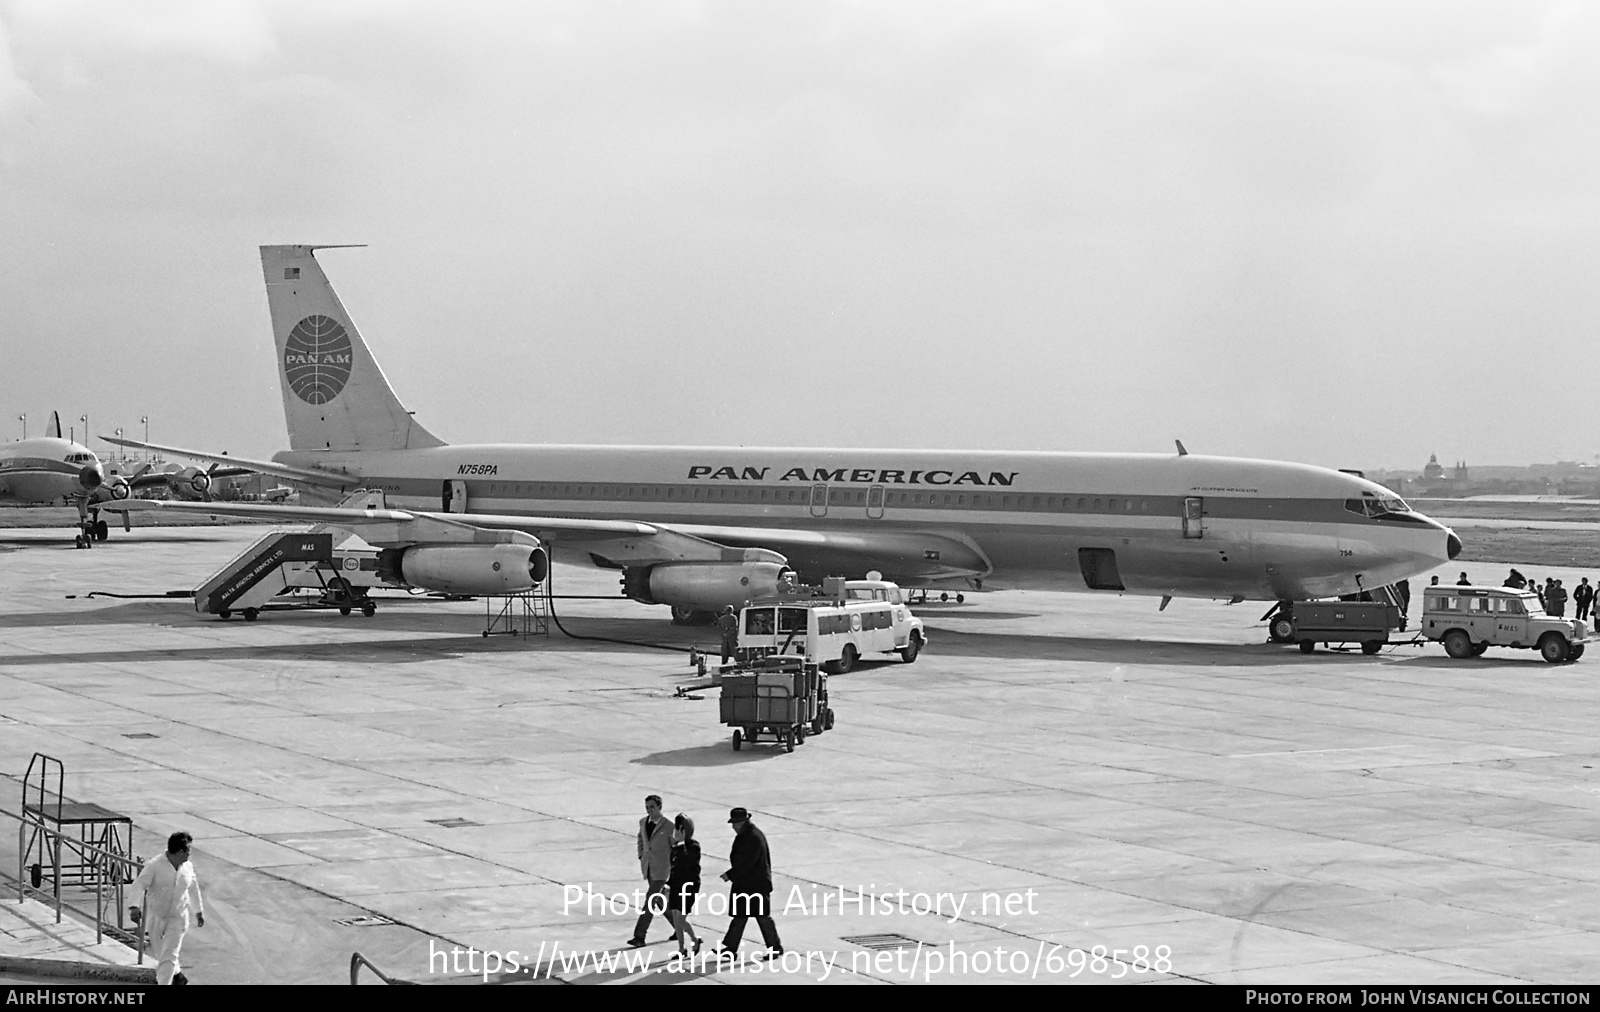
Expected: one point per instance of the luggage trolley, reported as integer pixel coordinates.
(58, 857)
(777, 699)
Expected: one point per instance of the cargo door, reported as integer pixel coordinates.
(1194, 511)
(819, 500)
(455, 496)
(875, 502)
(1099, 566)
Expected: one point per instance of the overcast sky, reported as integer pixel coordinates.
(1349, 234)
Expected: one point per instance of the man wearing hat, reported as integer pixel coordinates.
(750, 877)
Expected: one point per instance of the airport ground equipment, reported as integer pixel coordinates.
(833, 633)
(776, 699)
(1469, 620)
(525, 614)
(1365, 622)
(280, 563)
(68, 841)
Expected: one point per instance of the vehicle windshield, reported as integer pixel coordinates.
(1377, 506)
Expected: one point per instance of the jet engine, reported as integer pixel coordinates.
(706, 586)
(474, 569)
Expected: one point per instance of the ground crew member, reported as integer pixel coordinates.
(655, 864)
(170, 890)
(728, 623)
(750, 877)
(1463, 582)
(1582, 597)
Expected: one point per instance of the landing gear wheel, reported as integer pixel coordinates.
(738, 739)
(788, 740)
(943, 596)
(102, 530)
(1371, 647)
(250, 614)
(913, 647)
(1281, 629)
(368, 609)
(1306, 646)
(961, 599)
(77, 542)
(847, 659)
(344, 610)
(682, 614)
(1458, 644)
(1553, 647)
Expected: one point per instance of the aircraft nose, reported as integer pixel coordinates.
(1453, 544)
(91, 477)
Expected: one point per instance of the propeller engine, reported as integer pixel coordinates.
(91, 477)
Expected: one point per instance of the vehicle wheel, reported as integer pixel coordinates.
(1371, 647)
(1479, 649)
(788, 740)
(344, 609)
(1306, 646)
(944, 596)
(250, 614)
(961, 598)
(1281, 629)
(816, 725)
(1553, 647)
(1458, 644)
(738, 739)
(912, 649)
(1576, 652)
(800, 734)
(77, 542)
(224, 613)
(827, 725)
(368, 609)
(847, 659)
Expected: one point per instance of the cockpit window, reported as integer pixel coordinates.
(1377, 506)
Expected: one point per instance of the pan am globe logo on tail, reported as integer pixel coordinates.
(316, 359)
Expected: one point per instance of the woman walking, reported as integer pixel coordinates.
(683, 885)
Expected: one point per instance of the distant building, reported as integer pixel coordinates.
(1434, 470)
(1461, 471)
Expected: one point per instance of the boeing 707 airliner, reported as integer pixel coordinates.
(697, 528)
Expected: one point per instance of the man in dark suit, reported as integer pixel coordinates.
(750, 876)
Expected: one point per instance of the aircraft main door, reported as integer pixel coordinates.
(1194, 511)
(819, 500)
(454, 496)
(875, 502)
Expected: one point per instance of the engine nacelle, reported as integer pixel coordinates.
(474, 569)
(118, 486)
(91, 477)
(199, 481)
(709, 586)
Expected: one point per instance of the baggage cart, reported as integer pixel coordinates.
(1364, 622)
(777, 699)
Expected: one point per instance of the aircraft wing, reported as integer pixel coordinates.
(364, 514)
(310, 476)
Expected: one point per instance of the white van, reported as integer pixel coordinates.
(833, 636)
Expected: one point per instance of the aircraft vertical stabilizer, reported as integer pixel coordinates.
(334, 395)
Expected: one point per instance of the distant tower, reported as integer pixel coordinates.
(1461, 470)
(1434, 471)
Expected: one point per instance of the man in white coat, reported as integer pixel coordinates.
(170, 891)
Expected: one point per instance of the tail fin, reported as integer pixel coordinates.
(334, 395)
(53, 430)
